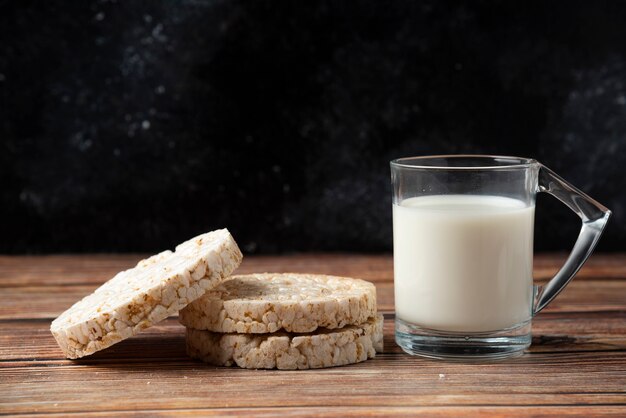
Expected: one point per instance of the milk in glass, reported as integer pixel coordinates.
(463, 263)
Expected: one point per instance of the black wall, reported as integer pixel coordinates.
(130, 126)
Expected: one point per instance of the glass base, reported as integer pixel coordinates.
(462, 346)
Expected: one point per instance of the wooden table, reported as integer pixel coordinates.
(577, 364)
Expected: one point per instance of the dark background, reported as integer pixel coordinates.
(131, 126)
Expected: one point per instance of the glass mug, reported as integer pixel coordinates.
(463, 252)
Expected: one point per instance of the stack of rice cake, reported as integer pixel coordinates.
(284, 321)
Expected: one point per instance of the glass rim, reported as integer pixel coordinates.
(500, 162)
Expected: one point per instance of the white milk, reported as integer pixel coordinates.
(462, 262)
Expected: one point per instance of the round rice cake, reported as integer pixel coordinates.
(146, 294)
(287, 351)
(269, 302)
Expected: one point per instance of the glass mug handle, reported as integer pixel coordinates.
(594, 218)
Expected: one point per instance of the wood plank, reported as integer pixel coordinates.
(599, 266)
(355, 411)
(537, 379)
(96, 269)
(24, 341)
(47, 302)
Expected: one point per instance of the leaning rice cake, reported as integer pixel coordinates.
(146, 294)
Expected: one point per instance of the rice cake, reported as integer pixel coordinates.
(269, 302)
(137, 298)
(286, 351)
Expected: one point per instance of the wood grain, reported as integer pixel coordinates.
(576, 365)
(355, 411)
